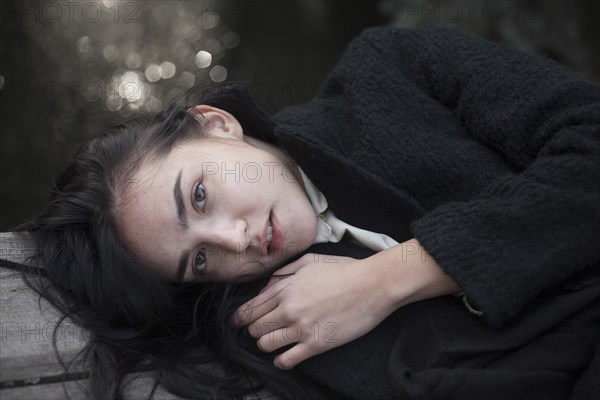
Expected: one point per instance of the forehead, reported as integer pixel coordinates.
(146, 216)
(155, 173)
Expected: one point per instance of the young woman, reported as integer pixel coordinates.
(431, 163)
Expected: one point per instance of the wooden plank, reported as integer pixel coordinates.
(26, 333)
(26, 329)
(15, 246)
(139, 388)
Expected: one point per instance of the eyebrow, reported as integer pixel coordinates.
(182, 217)
(178, 195)
(182, 266)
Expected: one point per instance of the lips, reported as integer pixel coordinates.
(273, 236)
(278, 235)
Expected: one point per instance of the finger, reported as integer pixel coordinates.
(271, 282)
(264, 325)
(254, 309)
(294, 356)
(246, 313)
(276, 339)
(268, 323)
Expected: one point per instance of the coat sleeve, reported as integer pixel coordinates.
(524, 232)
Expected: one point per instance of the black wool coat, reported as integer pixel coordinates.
(489, 157)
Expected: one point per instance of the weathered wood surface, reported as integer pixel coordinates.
(139, 389)
(29, 368)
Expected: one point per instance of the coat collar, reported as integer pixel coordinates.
(356, 195)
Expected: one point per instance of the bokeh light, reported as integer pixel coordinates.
(153, 72)
(186, 80)
(167, 70)
(203, 59)
(231, 40)
(131, 87)
(218, 73)
(84, 47)
(133, 60)
(209, 20)
(110, 53)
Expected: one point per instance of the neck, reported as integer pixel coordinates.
(281, 154)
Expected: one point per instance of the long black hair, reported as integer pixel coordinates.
(136, 319)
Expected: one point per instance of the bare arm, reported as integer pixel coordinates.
(410, 274)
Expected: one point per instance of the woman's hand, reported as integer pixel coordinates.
(328, 301)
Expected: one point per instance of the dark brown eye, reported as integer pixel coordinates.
(199, 262)
(200, 196)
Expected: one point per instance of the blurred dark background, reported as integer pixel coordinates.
(70, 69)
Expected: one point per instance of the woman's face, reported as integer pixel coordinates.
(217, 208)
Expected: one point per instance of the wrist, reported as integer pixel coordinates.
(410, 274)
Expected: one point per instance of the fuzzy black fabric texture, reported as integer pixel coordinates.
(490, 157)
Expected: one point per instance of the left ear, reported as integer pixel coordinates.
(218, 122)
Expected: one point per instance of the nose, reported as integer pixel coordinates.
(230, 235)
